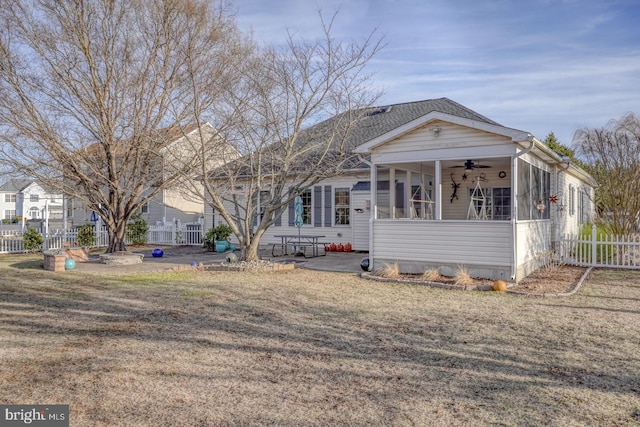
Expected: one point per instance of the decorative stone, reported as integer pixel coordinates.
(121, 258)
(364, 264)
(231, 257)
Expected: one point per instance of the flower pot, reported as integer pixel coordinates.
(221, 245)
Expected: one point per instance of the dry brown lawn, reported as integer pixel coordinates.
(309, 348)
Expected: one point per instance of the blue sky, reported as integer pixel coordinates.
(537, 65)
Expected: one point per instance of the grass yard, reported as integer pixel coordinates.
(309, 348)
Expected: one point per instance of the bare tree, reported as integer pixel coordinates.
(612, 154)
(289, 112)
(91, 91)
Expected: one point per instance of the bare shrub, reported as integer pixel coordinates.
(550, 264)
(389, 271)
(462, 277)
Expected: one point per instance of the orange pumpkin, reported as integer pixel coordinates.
(348, 247)
(499, 285)
(332, 247)
(340, 247)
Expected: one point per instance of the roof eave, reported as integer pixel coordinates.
(514, 134)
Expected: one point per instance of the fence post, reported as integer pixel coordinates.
(594, 237)
(173, 234)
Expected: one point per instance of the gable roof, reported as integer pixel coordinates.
(15, 185)
(410, 116)
(157, 138)
(381, 120)
(375, 125)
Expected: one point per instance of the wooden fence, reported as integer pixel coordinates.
(170, 235)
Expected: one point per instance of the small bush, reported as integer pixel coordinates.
(389, 271)
(86, 236)
(462, 277)
(431, 275)
(137, 230)
(32, 240)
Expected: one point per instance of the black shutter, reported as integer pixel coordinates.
(328, 212)
(317, 206)
(292, 213)
(278, 214)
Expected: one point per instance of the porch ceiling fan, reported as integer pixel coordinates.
(471, 165)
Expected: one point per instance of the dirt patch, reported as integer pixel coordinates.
(545, 281)
(550, 281)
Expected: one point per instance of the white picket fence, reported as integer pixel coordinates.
(169, 235)
(600, 250)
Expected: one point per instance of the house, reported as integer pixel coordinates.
(450, 187)
(183, 202)
(26, 198)
(456, 188)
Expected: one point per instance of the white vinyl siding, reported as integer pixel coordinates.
(459, 242)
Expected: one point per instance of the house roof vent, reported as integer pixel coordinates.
(379, 110)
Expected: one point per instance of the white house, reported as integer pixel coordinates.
(27, 199)
(182, 202)
(456, 188)
(452, 188)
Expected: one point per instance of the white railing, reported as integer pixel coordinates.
(13, 242)
(600, 250)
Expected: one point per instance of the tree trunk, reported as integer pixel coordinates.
(117, 235)
(250, 252)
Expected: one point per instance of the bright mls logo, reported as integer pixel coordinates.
(34, 415)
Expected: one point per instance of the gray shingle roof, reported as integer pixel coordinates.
(370, 124)
(15, 185)
(373, 125)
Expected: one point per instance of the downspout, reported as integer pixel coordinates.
(372, 208)
(514, 230)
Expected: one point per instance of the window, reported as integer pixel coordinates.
(33, 212)
(534, 187)
(34, 198)
(306, 206)
(572, 200)
(501, 204)
(342, 206)
(69, 207)
(9, 214)
(498, 203)
(144, 209)
(10, 198)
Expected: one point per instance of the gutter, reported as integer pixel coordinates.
(372, 186)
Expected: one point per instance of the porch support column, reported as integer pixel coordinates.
(438, 188)
(392, 193)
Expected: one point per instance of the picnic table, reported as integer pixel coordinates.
(299, 243)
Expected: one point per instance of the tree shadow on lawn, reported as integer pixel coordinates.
(412, 357)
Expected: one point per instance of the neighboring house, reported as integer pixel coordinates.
(25, 198)
(180, 203)
(464, 190)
